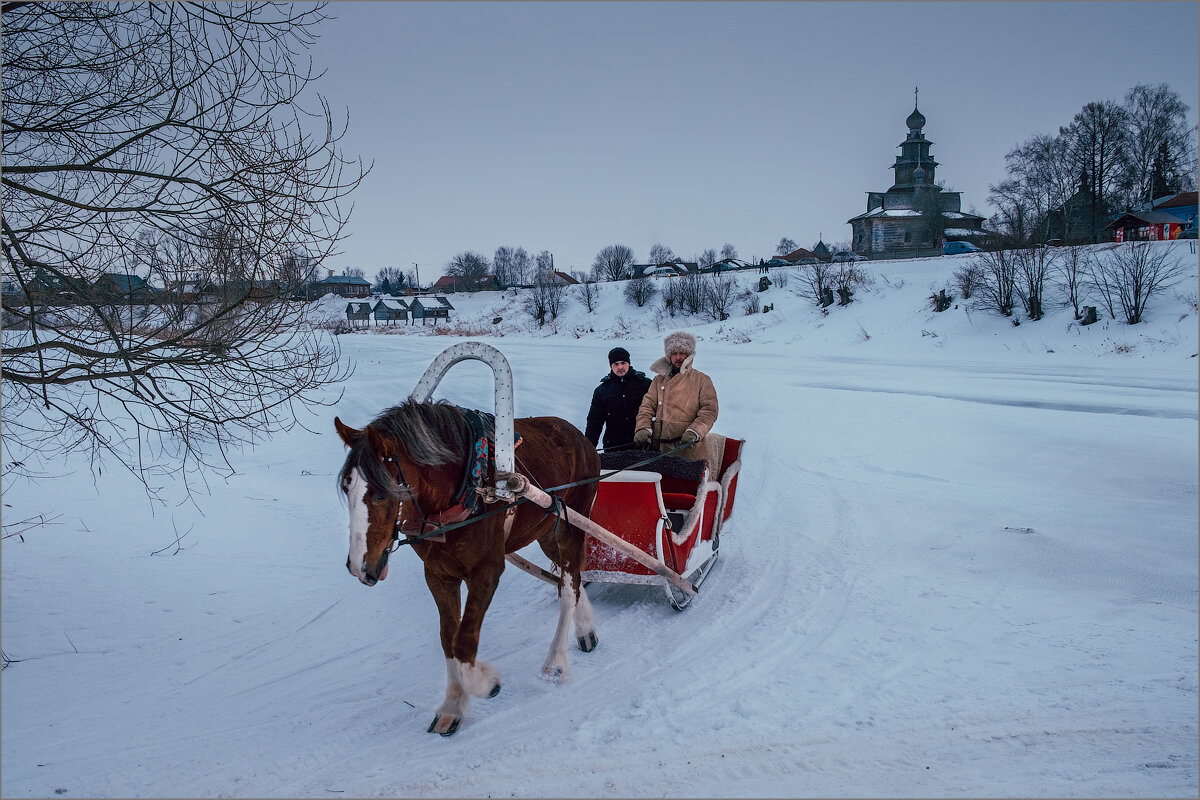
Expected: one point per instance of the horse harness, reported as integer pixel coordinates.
(467, 504)
(467, 508)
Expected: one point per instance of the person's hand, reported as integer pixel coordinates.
(689, 437)
(642, 437)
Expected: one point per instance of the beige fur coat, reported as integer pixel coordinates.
(675, 403)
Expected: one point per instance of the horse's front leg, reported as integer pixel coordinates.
(450, 713)
(478, 677)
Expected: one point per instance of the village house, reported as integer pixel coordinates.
(555, 278)
(121, 288)
(449, 284)
(1081, 219)
(1163, 219)
(343, 285)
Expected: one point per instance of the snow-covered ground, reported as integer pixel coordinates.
(963, 562)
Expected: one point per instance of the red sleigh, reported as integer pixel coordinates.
(672, 509)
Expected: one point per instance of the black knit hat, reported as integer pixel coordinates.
(618, 354)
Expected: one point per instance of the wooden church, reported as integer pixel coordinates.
(915, 216)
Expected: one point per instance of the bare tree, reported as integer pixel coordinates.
(189, 124)
(817, 277)
(391, 279)
(661, 254)
(545, 297)
(469, 268)
(1068, 274)
(998, 269)
(728, 251)
(1015, 210)
(693, 292)
(1041, 176)
(587, 291)
(706, 259)
(640, 290)
(845, 279)
(1095, 135)
(613, 263)
(543, 265)
(722, 293)
(967, 278)
(511, 266)
(785, 246)
(672, 296)
(1128, 275)
(1034, 265)
(1156, 120)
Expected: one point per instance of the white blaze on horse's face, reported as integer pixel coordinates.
(356, 498)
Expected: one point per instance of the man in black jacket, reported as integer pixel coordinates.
(615, 402)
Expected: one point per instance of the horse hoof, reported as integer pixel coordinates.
(449, 731)
(588, 643)
(554, 674)
(495, 690)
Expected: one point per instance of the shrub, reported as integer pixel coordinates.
(640, 291)
(1132, 273)
(967, 278)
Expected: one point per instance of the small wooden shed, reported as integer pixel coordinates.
(431, 307)
(358, 311)
(391, 310)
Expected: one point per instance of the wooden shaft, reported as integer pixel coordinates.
(520, 562)
(544, 500)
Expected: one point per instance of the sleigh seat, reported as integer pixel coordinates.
(668, 512)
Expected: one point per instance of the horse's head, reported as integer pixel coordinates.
(371, 481)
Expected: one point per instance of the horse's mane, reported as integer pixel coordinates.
(432, 433)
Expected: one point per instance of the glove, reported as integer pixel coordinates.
(689, 437)
(642, 437)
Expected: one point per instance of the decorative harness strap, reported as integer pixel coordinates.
(474, 475)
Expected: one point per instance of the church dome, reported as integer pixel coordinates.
(915, 121)
(919, 174)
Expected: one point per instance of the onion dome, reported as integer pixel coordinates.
(915, 121)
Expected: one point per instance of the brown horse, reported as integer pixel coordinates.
(408, 465)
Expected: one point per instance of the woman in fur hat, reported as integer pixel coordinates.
(681, 404)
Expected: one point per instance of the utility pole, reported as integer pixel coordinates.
(418, 269)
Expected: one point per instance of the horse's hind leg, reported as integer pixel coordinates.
(585, 625)
(555, 669)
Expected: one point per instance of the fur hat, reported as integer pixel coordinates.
(618, 354)
(679, 342)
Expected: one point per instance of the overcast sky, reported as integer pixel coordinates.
(569, 126)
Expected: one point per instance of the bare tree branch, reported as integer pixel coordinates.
(171, 181)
